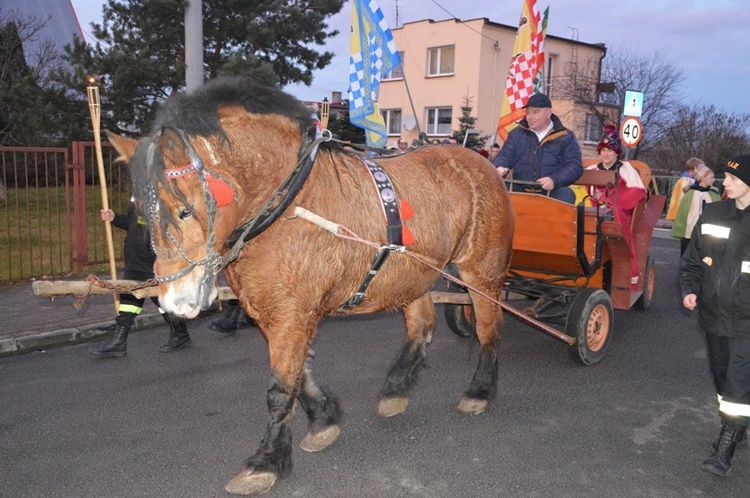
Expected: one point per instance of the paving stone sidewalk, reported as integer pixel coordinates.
(32, 323)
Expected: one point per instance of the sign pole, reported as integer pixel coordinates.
(92, 91)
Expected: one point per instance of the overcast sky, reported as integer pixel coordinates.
(707, 39)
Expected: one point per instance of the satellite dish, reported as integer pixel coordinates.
(409, 122)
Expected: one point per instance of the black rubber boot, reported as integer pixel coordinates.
(227, 324)
(178, 336)
(118, 346)
(741, 441)
(721, 459)
(244, 321)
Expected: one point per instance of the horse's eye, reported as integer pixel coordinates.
(186, 213)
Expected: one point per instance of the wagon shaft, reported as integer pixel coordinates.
(54, 288)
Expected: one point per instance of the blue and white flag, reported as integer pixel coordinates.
(373, 53)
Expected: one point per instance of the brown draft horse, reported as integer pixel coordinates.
(212, 163)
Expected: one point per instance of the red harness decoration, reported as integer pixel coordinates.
(407, 213)
(222, 192)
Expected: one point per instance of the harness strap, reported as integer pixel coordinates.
(388, 200)
(390, 210)
(284, 195)
(359, 296)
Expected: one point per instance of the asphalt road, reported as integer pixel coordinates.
(160, 425)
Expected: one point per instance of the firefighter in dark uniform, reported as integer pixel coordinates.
(139, 265)
(715, 276)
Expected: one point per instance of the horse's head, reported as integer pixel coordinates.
(189, 205)
(180, 199)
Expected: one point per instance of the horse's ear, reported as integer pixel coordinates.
(173, 147)
(123, 145)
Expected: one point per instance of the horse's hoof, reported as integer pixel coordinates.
(250, 482)
(472, 406)
(317, 441)
(390, 407)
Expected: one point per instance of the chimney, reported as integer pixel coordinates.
(335, 97)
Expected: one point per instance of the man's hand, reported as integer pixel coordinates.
(547, 183)
(690, 301)
(502, 171)
(107, 215)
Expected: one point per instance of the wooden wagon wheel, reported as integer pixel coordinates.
(590, 321)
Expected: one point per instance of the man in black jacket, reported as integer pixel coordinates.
(715, 276)
(139, 265)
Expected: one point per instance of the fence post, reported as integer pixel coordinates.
(79, 202)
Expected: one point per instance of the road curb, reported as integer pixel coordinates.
(37, 341)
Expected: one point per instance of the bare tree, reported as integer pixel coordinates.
(26, 80)
(659, 81)
(705, 132)
(602, 90)
(14, 60)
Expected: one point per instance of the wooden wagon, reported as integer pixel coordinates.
(571, 268)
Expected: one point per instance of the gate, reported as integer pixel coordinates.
(49, 211)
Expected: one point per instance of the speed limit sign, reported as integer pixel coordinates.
(631, 131)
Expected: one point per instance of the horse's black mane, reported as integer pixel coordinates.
(195, 113)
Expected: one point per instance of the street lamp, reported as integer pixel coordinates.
(92, 91)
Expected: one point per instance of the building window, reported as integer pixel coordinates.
(594, 129)
(439, 120)
(397, 73)
(392, 121)
(441, 61)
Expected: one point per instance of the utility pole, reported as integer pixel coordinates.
(194, 45)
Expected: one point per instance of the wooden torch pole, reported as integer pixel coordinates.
(92, 91)
(325, 110)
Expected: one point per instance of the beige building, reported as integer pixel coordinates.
(444, 62)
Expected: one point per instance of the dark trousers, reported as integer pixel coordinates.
(729, 360)
(131, 304)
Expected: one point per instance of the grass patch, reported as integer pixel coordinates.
(38, 233)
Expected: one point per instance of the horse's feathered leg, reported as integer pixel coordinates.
(488, 320)
(288, 351)
(402, 376)
(324, 414)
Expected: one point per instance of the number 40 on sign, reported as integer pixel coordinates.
(631, 131)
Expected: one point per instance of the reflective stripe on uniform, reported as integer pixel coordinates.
(130, 308)
(715, 230)
(733, 409)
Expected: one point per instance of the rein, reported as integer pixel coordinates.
(274, 207)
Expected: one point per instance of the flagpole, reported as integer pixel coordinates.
(411, 103)
(92, 91)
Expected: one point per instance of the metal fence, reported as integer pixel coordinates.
(49, 210)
